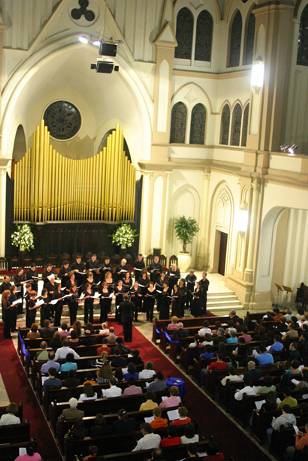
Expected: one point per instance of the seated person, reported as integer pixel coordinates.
(285, 420)
(232, 377)
(72, 413)
(301, 441)
(100, 427)
(113, 391)
(52, 382)
(31, 454)
(149, 441)
(190, 435)
(76, 431)
(148, 372)
(72, 338)
(216, 365)
(71, 380)
(253, 374)
(294, 372)
(132, 389)
(46, 331)
(51, 363)
(9, 417)
(112, 337)
(276, 347)
(92, 456)
(183, 420)
(149, 404)
(173, 401)
(263, 358)
(62, 352)
(172, 440)
(231, 338)
(103, 349)
(124, 424)
(158, 422)
(104, 374)
(287, 400)
(245, 336)
(34, 332)
(63, 330)
(205, 330)
(175, 324)
(104, 331)
(118, 361)
(131, 374)
(159, 383)
(88, 393)
(43, 354)
(69, 364)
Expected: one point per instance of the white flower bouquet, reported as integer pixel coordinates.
(22, 238)
(124, 236)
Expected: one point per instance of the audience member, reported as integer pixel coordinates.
(72, 413)
(158, 422)
(113, 391)
(149, 404)
(52, 382)
(147, 372)
(149, 441)
(69, 364)
(9, 417)
(61, 352)
(173, 401)
(43, 354)
(51, 363)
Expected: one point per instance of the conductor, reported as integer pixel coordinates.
(126, 313)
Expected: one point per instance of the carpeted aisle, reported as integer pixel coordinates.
(210, 418)
(19, 390)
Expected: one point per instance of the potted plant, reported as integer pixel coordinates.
(22, 238)
(124, 236)
(185, 229)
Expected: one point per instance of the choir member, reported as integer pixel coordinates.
(174, 275)
(190, 284)
(89, 280)
(149, 301)
(196, 304)
(127, 282)
(71, 282)
(182, 297)
(136, 299)
(118, 292)
(204, 285)
(105, 301)
(121, 270)
(64, 273)
(14, 302)
(57, 303)
(33, 304)
(94, 266)
(28, 289)
(175, 301)
(47, 273)
(163, 303)
(19, 280)
(88, 303)
(106, 267)
(45, 313)
(72, 301)
(160, 282)
(32, 276)
(6, 284)
(80, 271)
(143, 285)
(138, 267)
(7, 315)
(155, 269)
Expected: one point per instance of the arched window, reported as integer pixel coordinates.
(302, 51)
(225, 125)
(249, 39)
(178, 123)
(184, 33)
(197, 124)
(245, 126)
(236, 125)
(204, 35)
(235, 37)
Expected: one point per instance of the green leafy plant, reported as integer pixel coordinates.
(23, 238)
(124, 236)
(186, 229)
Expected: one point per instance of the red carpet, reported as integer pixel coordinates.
(19, 390)
(210, 418)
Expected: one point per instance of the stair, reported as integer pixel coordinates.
(223, 301)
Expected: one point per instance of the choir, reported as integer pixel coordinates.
(83, 283)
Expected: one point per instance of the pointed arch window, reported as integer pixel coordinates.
(249, 39)
(236, 125)
(178, 123)
(184, 33)
(245, 126)
(302, 51)
(197, 124)
(204, 36)
(225, 125)
(235, 38)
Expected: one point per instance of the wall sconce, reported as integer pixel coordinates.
(257, 75)
(242, 220)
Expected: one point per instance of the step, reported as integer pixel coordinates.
(223, 302)
(237, 307)
(221, 298)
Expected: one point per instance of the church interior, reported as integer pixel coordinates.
(153, 230)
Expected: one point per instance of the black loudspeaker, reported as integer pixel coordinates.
(156, 251)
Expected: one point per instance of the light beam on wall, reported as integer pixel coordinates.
(257, 75)
(242, 220)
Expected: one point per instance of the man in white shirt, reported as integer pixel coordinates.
(62, 352)
(286, 419)
(232, 377)
(113, 391)
(247, 390)
(205, 330)
(149, 441)
(148, 372)
(10, 416)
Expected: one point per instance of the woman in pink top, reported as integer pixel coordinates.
(175, 324)
(173, 401)
(31, 455)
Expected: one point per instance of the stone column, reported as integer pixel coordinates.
(250, 270)
(146, 213)
(202, 258)
(3, 170)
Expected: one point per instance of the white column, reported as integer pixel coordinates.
(203, 238)
(165, 212)
(250, 270)
(146, 213)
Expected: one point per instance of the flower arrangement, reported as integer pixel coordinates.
(22, 238)
(124, 236)
(186, 229)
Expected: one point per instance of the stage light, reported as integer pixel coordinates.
(242, 220)
(96, 43)
(257, 75)
(104, 67)
(83, 39)
(108, 49)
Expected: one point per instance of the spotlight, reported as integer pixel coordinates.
(108, 49)
(83, 39)
(104, 67)
(96, 43)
